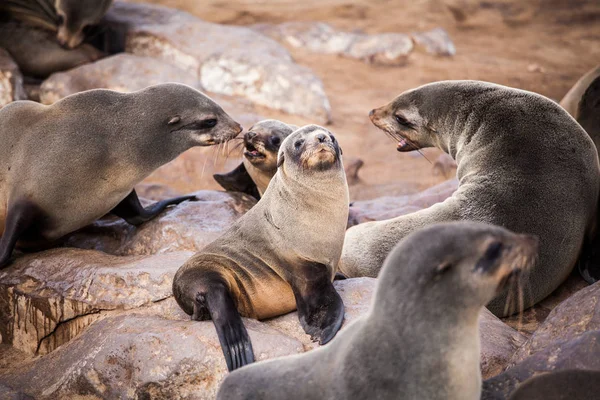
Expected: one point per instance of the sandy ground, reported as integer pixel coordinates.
(538, 45)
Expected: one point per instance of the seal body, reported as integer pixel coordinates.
(261, 146)
(272, 261)
(420, 338)
(523, 163)
(65, 165)
(572, 384)
(573, 97)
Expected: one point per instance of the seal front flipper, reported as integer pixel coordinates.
(216, 303)
(238, 180)
(132, 211)
(20, 218)
(320, 307)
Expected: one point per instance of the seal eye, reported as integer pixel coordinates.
(60, 21)
(402, 121)
(332, 138)
(208, 123)
(298, 143)
(275, 141)
(492, 254)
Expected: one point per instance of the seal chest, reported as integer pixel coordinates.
(273, 259)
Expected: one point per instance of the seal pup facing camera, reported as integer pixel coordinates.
(420, 338)
(523, 163)
(261, 146)
(272, 261)
(65, 165)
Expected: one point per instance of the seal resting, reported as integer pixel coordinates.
(523, 163)
(420, 338)
(65, 165)
(274, 259)
(261, 146)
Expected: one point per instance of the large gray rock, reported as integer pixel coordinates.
(189, 226)
(435, 41)
(121, 72)
(385, 48)
(225, 59)
(582, 352)
(11, 80)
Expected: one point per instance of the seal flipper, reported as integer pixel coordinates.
(320, 307)
(132, 211)
(238, 180)
(20, 218)
(217, 304)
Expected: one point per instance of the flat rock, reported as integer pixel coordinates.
(436, 41)
(188, 226)
(225, 59)
(11, 80)
(385, 48)
(581, 352)
(121, 72)
(387, 207)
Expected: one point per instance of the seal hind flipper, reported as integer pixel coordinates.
(320, 307)
(217, 304)
(20, 218)
(238, 180)
(132, 211)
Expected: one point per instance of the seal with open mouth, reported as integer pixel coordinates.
(420, 338)
(279, 256)
(523, 163)
(261, 145)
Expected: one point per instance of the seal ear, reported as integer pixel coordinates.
(443, 267)
(174, 120)
(238, 180)
(280, 160)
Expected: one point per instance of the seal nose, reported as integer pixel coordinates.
(372, 114)
(321, 137)
(250, 135)
(239, 128)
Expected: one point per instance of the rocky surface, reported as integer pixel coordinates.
(224, 59)
(11, 80)
(188, 226)
(436, 41)
(581, 352)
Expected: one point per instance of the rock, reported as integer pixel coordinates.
(385, 48)
(156, 191)
(573, 317)
(11, 80)
(352, 165)
(393, 206)
(48, 298)
(435, 41)
(121, 72)
(225, 59)
(188, 226)
(131, 356)
(581, 352)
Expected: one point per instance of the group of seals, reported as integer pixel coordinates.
(46, 36)
(259, 165)
(420, 338)
(523, 164)
(65, 165)
(271, 261)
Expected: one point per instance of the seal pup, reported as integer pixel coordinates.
(65, 165)
(272, 260)
(259, 165)
(523, 163)
(570, 384)
(420, 338)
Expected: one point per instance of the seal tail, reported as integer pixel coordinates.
(233, 337)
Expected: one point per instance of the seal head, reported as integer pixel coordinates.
(75, 17)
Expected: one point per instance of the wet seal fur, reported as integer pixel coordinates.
(420, 338)
(523, 163)
(261, 146)
(65, 165)
(274, 260)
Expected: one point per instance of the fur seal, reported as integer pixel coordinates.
(523, 163)
(261, 146)
(570, 384)
(571, 100)
(65, 165)
(420, 338)
(271, 262)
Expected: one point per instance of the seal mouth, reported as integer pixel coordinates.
(403, 144)
(253, 152)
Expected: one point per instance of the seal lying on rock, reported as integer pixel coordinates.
(65, 165)
(420, 338)
(261, 145)
(523, 163)
(281, 255)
